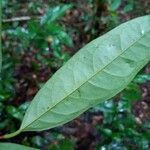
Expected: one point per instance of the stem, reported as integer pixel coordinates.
(7, 136)
(23, 18)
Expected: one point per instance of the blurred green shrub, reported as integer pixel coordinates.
(45, 36)
(120, 129)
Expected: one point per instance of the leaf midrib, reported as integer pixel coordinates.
(87, 80)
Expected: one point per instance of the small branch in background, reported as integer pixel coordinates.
(23, 18)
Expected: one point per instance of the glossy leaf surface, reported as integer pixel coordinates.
(96, 73)
(11, 146)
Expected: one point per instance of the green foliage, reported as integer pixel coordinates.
(105, 14)
(44, 41)
(45, 35)
(104, 74)
(47, 39)
(0, 58)
(120, 129)
(19, 112)
(129, 7)
(142, 78)
(132, 92)
(114, 4)
(10, 146)
(54, 13)
(62, 145)
(113, 17)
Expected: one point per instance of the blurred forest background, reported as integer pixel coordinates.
(38, 37)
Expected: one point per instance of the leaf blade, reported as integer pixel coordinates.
(66, 94)
(11, 146)
(54, 13)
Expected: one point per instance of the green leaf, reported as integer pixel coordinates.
(58, 32)
(38, 141)
(115, 4)
(132, 92)
(62, 145)
(22, 34)
(54, 13)
(14, 112)
(128, 8)
(11, 146)
(99, 71)
(142, 78)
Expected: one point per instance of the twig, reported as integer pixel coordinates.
(23, 18)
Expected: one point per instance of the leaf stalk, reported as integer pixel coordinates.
(7, 136)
